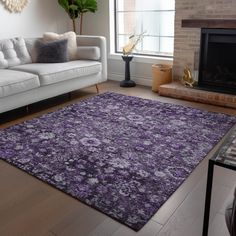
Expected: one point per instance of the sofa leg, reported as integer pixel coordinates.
(69, 96)
(97, 88)
(27, 109)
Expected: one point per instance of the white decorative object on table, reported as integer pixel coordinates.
(133, 41)
(15, 5)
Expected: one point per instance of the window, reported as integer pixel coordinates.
(155, 17)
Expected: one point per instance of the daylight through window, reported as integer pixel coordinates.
(155, 17)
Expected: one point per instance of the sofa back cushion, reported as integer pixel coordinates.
(13, 52)
(30, 45)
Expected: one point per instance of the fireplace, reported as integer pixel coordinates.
(217, 67)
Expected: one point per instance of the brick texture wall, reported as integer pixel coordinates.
(187, 41)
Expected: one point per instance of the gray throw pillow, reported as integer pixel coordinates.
(52, 52)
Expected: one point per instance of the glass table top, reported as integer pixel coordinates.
(227, 151)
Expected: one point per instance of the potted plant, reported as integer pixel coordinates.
(76, 8)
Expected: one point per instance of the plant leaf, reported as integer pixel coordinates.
(75, 8)
(64, 4)
(86, 5)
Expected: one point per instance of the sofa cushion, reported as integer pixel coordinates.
(50, 73)
(13, 82)
(13, 52)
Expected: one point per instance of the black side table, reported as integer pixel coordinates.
(225, 157)
(127, 82)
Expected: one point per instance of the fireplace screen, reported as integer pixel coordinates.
(217, 70)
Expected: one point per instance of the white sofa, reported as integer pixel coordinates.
(23, 82)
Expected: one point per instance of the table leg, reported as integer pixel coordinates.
(208, 198)
(127, 82)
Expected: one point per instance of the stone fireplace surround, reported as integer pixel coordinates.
(179, 91)
(176, 89)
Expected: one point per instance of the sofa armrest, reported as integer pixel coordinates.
(98, 41)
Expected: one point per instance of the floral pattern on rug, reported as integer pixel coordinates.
(124, 156)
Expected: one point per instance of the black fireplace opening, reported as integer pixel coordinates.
(217, 67)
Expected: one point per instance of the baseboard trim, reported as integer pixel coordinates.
(139, 80)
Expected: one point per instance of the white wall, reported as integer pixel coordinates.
(98, 24)
(38, 16)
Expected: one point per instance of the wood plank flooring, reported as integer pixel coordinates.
(29, 207)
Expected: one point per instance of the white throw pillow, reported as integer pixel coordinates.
(70, 36)
(88, 53)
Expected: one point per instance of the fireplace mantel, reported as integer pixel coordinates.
(209, 23)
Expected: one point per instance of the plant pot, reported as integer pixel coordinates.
(161, 74)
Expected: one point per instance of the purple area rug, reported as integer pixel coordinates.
(124, 156)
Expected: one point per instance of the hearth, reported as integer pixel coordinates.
(217, 67)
